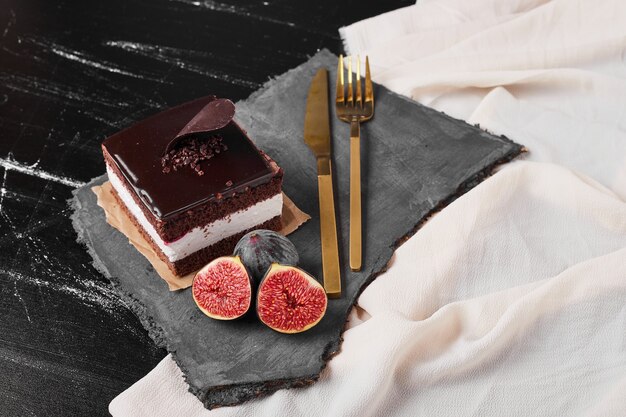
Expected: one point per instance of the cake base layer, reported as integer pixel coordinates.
(198, 259)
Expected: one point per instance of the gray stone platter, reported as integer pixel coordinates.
(415, 160)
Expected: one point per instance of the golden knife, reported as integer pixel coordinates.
(317, 137)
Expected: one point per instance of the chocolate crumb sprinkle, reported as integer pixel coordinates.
(191, 151)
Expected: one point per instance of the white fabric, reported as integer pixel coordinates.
(550, 74)
(512, 300)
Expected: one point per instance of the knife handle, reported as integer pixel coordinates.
(328, 229)
(355, 196)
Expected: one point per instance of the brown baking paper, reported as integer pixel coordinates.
(292, 217)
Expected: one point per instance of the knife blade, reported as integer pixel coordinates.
(317, 137)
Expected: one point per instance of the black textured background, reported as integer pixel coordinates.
(72, 73)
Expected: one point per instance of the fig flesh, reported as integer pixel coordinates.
(289, 300)
(259, 249)
(223, 289)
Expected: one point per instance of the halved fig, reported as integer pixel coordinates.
(259, 249)
(223, 289)
(289, 300)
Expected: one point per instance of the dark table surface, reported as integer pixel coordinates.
(72, 73)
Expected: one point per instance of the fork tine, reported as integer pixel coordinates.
(339, 95)
(350, 96)
(359, 96)
(369, 89)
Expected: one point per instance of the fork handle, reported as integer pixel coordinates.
(355, 196)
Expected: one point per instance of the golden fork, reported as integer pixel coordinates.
(355, 110)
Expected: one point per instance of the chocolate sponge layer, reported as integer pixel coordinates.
(203, 256)
(177, 226)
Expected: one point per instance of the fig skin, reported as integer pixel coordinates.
(259, 249)
(304, 304)
(201, 289)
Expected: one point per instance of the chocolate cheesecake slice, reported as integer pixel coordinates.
(193, 182)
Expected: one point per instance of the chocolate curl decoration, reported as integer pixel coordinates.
(214, 116)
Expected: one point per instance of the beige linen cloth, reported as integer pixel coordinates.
(512, 300)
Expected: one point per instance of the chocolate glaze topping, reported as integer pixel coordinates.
(138, 151)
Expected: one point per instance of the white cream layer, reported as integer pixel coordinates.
(201, 237)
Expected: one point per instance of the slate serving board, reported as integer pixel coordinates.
(415, 160)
